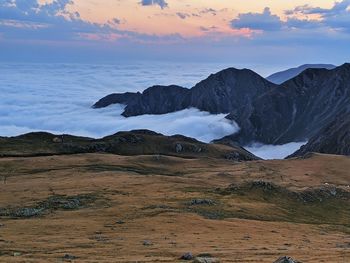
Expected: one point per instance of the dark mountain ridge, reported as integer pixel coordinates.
(223, 92)
(268, 113)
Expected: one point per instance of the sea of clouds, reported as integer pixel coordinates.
(57, 98)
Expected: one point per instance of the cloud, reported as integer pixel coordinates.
(27, 19)
(211, 11)
(52, 32)
(269, 152)
(162, 3)
(258, 21)
(337, 17)
(183, 15)
(338, 8)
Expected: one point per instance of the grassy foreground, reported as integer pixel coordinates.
(98, 207)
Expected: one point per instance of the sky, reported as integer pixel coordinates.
(254, 32)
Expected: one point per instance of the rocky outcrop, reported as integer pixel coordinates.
(159, 100)
(280, 77)
(117, 98)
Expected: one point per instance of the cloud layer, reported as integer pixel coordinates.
(58, 99)
(270, 152)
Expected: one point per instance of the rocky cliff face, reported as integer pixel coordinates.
(159, 100)
(228, 91)
(298, 109)
(332, 139)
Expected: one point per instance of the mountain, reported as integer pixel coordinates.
(296, 110)
(332, 139)
(282, 76)
(137, 142)
(223, 92)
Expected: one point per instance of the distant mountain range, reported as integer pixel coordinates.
(299, 109)
(280, 77)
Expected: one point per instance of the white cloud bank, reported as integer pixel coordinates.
(58, 99)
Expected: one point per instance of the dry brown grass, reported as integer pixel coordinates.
(150, 195)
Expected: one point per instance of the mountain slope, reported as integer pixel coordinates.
(298, 109)
(228, 91)
(280, 77)
(332, 139)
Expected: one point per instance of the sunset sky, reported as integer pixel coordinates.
(254, 31)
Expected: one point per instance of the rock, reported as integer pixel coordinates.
(147, 243)
(206, 260)
(234, 156)
(120, 222)
(17, 254)
(178, 148)
(27, 212)
(286, 260)
(69, 257)
(187, 256)
(57, 140)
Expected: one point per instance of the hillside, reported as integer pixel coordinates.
(138, 142)
(155, 208)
